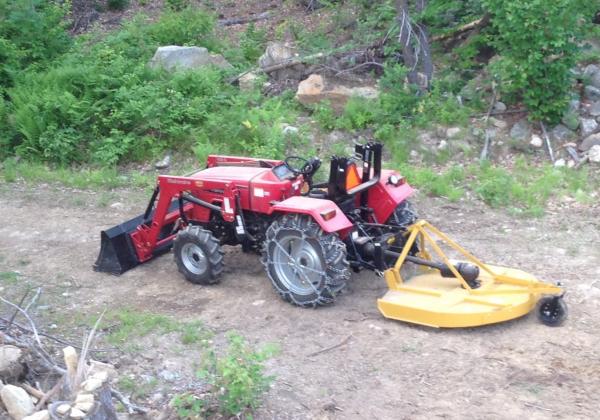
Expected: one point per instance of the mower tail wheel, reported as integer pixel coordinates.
(198, 255)
(552, 311)
(307, 266)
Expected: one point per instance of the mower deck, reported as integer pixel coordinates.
(500, 293)
(435, 301)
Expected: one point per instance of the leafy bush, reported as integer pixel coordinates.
(537, 43)
(237, 379)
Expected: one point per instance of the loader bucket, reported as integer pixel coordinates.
(433, 299)
(117, 253)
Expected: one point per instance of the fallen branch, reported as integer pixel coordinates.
(548, 145)
(243, 20)
(131, 407)
(40, 404)
(476, 24)
(335, 346)
(486, 144)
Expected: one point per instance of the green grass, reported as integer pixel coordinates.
(128, 324)
(9, 278)
(80, 178)
(137, 387)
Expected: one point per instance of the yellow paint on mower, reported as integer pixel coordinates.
(436, 301)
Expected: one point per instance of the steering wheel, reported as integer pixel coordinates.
(305, 169)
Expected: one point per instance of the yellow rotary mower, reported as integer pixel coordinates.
(454, 294)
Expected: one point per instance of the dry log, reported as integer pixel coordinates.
(475, 25)
(243, 20)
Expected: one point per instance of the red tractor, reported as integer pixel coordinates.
(310, 234)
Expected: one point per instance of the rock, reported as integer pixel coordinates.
(91, 384)
(289, 130)
(96, 366)
(173, 58)
(168, 376)
(570, 163)
(11, 367)
(443, 145)
(102, 376)
(278, 53)
(571, 120)
(84, 398)
(589, 142)
(40, 415)
(521, 130)
(501, 124)
(163, 163)
(574, 105)
(594, 153)
(453, 132)
(17, 402)
(591, 70)
(591, 93)
(561, 133)
(63, 409)
(559, 163)
(499, 106)
(315, 89)
(536, 141)
(76, 413)
(116, 205)
(588, 126)
(594, 109)
(84, 406)
(248, 81)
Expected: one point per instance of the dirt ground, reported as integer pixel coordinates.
(384, 369)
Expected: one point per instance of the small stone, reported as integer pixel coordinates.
(453, 132)
(102, 376)
(290, 130)
(592, 93)
(501, 124)
(84, 398)
(63, 409)
(414, 154)
(594, 154)
(559, 163)
(84, 406)
(17, 401)
(443, 145)
(40, 415)
(562, 133)
(258, 302)
(91, 384)
(164, 163)
(521, 130)
(570, 163)
(594, 109)
(571, 120)
(10, 362)
(588, 126)
(574, 105)
(499, 106)
(536, 141)
(168, 376)
(589, 141)
(76, 413)
(116, 205)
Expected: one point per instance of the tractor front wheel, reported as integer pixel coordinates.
(307, 266)
(198, 255)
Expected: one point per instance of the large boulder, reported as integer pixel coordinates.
(173, 57)
(276, 54)
(521, 130)
(316, 89)
(562, 133)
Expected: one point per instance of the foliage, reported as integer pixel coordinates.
(117, 4)
(237, 378)
(537, 43)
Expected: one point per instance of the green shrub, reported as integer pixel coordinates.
(537, 43)
(117, 4)
(237, 379)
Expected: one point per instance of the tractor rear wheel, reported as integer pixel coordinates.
(307, 266)
(198, 255)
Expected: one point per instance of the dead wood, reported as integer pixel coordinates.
(243, 20)
(471, 26)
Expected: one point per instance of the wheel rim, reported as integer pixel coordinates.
(298, 265)
(193, 258)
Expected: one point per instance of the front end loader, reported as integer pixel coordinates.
(311, 236)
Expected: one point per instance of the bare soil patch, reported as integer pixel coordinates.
(382, 369)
